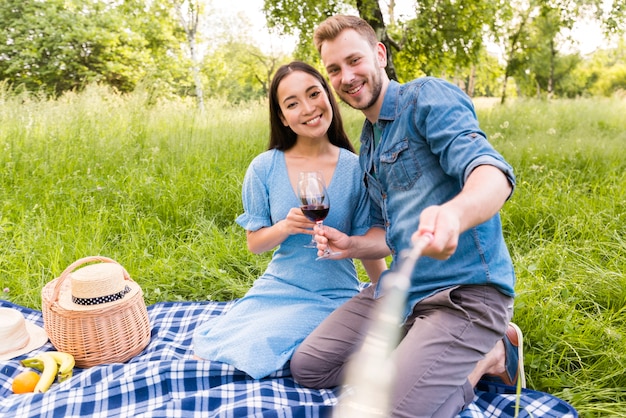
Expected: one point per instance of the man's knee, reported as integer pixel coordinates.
(300, 369)
(306, 371)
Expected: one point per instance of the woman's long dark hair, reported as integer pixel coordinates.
(282, 137)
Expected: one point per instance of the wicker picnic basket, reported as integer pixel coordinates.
(96, 313)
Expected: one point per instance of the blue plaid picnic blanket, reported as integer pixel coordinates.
(164, 381)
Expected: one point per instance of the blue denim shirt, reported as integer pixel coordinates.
(429, 145)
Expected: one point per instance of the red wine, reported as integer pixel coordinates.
(315, 213)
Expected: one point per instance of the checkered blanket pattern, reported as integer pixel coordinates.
(164, 381)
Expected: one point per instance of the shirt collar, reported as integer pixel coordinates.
(390, 102)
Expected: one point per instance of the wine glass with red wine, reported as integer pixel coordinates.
(314, 201)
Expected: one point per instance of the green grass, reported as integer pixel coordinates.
(566, 229)
(156, 186)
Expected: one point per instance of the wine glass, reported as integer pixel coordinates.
(314, 202)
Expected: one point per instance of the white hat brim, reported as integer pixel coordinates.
(38, 338)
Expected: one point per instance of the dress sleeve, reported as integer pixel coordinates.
(255, 199)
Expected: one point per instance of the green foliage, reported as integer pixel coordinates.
(56, 46)
(480, 80)
(606, 71)
(298, 17)
(445, 35)
(60, 45)
(238, 72)
(167, 71)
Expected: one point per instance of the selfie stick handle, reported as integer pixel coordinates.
(370, 373)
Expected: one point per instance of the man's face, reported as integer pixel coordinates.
(354, 69)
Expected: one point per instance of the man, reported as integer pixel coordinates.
(429, 170)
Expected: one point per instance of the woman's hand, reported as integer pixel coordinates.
(296, 223)
(268, 238)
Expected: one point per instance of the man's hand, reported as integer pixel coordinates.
(485, 191)
(333, 239)
(444, 225)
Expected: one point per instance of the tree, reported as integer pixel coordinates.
(296, 17)
(166, 72)
(369, 10)
(239, 72)
(189, 12)
(509, 31)
(445, 35)
(604, 73)
(60, 45)
(532, 33)
(299, 18)
(234, 67)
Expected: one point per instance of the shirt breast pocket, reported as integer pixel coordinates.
(399, 167)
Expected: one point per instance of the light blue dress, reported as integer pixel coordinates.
(260, 332)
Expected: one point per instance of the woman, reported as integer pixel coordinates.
(262, 330)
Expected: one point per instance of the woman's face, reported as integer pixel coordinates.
(304, 105)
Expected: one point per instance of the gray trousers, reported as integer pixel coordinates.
(444, 338)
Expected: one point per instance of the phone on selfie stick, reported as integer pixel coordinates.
(370, 375)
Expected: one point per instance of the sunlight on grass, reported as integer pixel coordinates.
(156, 186)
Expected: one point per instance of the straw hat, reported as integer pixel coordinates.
(97, 286)
(17, 335)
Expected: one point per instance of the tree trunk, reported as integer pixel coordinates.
(190, 27)
(551, 77)
(471, 82)
(507, 75)
(391, 12)
(195, 70)
(369, 10)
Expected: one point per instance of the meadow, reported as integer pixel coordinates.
(156, 186)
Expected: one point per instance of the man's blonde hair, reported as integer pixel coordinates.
(334, 25)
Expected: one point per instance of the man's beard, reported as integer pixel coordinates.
(377, 86)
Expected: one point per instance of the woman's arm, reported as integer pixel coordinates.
(270, 237)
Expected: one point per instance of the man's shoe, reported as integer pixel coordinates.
(514, 359)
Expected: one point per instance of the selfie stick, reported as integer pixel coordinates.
(370, 373)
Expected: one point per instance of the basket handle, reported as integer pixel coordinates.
(76, 264)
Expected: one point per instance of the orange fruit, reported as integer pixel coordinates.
(25, 382)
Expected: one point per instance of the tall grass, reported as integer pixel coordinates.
(566, 228)
(156, 186)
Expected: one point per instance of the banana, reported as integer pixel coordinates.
(63, 367)
(66, 363)
(33, 363)
(49, 373)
